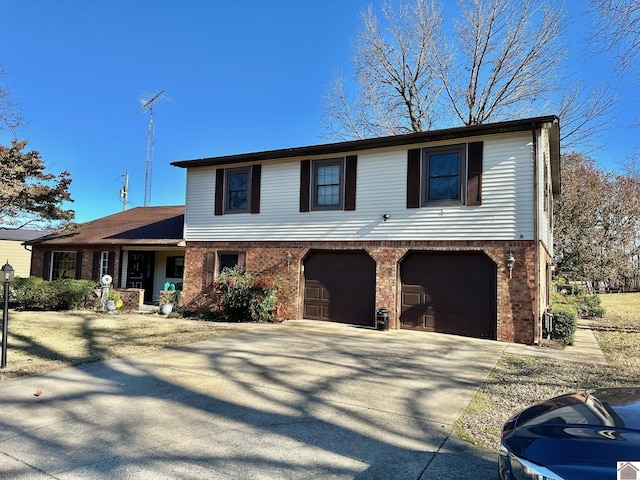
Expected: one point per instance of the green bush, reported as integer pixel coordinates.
(34, 293)
(74, 294)
(241, 297)
(565, 323)
(588, 306)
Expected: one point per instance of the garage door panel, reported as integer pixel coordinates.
(312, 311)
(345, 284)
(312, 293)
(449, 292)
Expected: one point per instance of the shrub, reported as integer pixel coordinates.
(34, 293)
(588, 306)
(241, 297)
(73, 294)
(565, 323)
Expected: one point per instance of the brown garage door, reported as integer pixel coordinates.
(449, 293)
(340, 287)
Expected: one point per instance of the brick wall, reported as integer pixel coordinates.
(515, 295)
(38, 253)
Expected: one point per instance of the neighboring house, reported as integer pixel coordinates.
(13, 251)
(140, 248)
(422, 224)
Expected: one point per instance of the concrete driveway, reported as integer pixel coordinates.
(299, 400)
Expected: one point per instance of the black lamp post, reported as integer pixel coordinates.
(6, 277)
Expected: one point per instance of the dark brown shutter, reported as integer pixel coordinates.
(219, 201)
(111, 264)
(305, 184)
(413, 178)
(256, 171)
(474, 174)
(78, 265)
(46, 266)
(209, 268)
(350, 175)
(95, 268)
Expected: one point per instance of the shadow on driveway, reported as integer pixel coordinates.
(300, 400)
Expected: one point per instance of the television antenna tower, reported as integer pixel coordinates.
(147, 105)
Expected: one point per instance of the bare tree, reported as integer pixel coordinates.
(397, 85)
(9, 109)
(508, 54)
(499, 59)
(596, 221)
(585, 112)
(618, 30)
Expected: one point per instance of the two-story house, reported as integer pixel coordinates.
(450, 230)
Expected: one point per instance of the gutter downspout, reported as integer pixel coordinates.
(536, 240)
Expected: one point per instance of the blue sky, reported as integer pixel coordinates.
(244, 76)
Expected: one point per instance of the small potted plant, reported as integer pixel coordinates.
(113, 300)
(168, 298)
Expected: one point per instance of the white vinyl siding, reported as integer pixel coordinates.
(506, 212)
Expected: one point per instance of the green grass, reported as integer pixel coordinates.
(622, 304)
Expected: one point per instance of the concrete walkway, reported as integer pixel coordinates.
(300, 400)
(585, 348)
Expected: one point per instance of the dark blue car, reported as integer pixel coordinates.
(583, 435)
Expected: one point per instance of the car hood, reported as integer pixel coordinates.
(579, 435)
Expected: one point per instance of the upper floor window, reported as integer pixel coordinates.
(328, 184)
(442, 169)
(447, 175)
(238, 190)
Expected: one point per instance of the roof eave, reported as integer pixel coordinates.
(372, 143)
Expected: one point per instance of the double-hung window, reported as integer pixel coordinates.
(443, 169)
(328, 184)
(238, 190)
(445, 175)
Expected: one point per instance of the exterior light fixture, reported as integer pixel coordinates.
(510, 263)
(6, 275)
(385, 217)
(288, 257)
(7, 272)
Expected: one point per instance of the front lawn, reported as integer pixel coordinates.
(518, 381)
(44, 341)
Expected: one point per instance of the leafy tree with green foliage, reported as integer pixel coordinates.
(29, 195)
